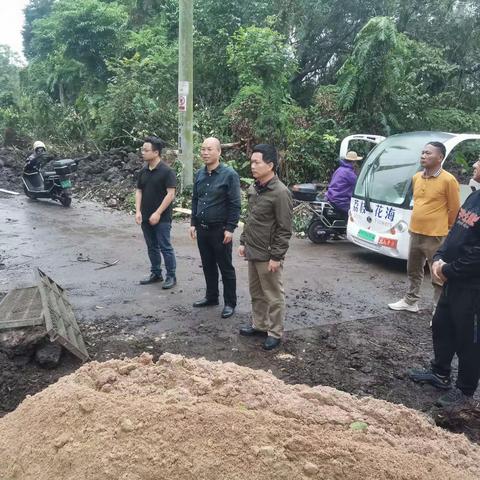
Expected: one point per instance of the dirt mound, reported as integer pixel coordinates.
(194, 419)
(11, 163)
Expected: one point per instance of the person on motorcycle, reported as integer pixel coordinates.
(342, 183)
(39, 154)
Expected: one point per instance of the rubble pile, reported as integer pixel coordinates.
(108, 177)
(11, 163)
(195, 419)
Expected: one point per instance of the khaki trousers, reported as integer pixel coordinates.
(422, 249)
(268, 298)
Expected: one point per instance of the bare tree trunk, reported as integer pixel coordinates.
(61, 94)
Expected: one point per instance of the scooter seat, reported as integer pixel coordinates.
(66, 162)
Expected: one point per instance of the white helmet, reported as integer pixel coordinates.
(39, 144)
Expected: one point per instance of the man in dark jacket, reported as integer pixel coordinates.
(215, 214)
(264, 243)
(456, 323)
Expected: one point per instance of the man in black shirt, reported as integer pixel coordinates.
(215, 215)
(153, 203)
(456, 323)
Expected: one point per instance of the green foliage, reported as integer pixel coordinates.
(373, 73)
(141, 96)
(259, 56)
(130, 202)
(90, 32)
(215, 22)
(312, 148)
(452, 120)
(35, 10)
(260, 115)
(9, 77)
(262, 109)
(300, 74)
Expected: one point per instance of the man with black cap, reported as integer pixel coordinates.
(264, 243)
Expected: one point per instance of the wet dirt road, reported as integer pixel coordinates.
(339, 331)
(326, 284)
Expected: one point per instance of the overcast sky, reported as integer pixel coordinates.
(11, 23)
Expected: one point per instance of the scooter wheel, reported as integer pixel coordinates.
(65, 200)
(317, 232)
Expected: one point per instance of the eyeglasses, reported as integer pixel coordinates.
(144, 150)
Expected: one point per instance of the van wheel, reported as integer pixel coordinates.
(317, 232)
(65, 200)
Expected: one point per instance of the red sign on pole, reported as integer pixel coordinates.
(182, 103)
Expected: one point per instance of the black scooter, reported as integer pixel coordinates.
(326, 222)
(54, 184)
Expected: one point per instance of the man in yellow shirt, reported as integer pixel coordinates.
(436, 201)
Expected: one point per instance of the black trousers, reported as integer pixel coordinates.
(215, 255)
(339, 214)
(456, 330)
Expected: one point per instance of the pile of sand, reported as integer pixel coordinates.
(194, 419)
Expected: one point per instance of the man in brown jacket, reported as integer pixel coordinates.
(264, 243)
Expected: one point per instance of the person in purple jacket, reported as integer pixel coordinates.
(341, 185)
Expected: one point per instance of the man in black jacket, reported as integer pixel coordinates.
(215, 215)
(456, 323)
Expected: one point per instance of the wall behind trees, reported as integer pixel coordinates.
(301, 74)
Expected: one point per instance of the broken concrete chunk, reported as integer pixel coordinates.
(48, 354)
(21, 342)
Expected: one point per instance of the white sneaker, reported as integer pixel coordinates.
(403, 305)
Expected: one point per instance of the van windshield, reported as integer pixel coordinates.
(387, 173)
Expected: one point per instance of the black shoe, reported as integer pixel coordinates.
(153, 278)
(250, 331)
(205, 302)
(271, 343)
(228, 311)
(170, 282)
(427, 376)
(455, 399)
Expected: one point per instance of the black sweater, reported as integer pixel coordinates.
(461, 249)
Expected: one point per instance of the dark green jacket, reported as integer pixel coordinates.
(268, 227)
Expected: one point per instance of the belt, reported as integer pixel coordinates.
(210, 226)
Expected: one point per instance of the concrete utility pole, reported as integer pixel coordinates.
(185, 90)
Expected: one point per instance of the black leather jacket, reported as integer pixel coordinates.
(35, 161)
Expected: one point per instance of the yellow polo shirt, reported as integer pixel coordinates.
(436, 201)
